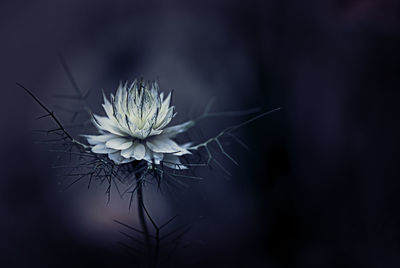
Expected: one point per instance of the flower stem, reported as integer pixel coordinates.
(141, 212)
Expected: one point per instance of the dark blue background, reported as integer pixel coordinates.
(319, 185)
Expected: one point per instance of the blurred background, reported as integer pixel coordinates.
(318, 186)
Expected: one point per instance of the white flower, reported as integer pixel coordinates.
(135, 127)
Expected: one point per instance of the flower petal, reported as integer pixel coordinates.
(171, 132)
(163, 144)
(153, 157)
(136, 150)
(108, 108)
(139, 150)
(121, 97)
(119, 143)
(184, 146)
(118, 159)
(157, 157)
(163, 119)
(172, 161)
(104, 123)
(155, 132)
(102, 149)
(95, 139)
(127, 153)
(165, 104)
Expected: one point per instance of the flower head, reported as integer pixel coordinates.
(135, 127)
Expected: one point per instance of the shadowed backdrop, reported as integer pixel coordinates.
(318, 186)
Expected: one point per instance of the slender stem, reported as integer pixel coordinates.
(157, 250)
(141, 213)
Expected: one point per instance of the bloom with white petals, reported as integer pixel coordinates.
(135, 127)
